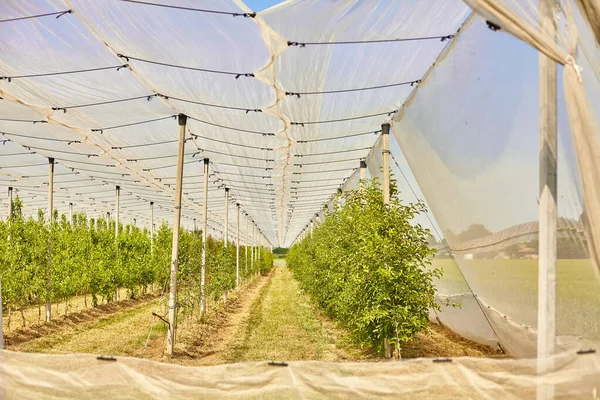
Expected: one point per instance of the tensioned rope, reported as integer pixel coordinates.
(230, 127)
(10, 78)
(234, 14)
(101, 130)
(442, 38)
(332, 152)
(69, 142)
(163, 64)
(196, 136)
(388, 113)
(299, 94)
(57, 13)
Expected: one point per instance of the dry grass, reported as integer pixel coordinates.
(439, 341)
(117, 328)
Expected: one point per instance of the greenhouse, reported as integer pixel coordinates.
(432, 166)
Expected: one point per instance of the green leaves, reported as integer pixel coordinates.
(365, 266)
(88, 258)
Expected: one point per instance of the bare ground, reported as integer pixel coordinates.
(270, 318)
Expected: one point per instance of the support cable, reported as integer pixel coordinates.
(442, 38)
(77, 71)
(213, 71)
(58, 15)
(245, 15)
(231, 128)
(101, 130)
(389, 113)
(299, 94)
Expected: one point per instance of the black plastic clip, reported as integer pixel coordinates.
(296, 44)
(442, 360)
(292, 94)
(123, 66)
(6, 78)
(493, 26)
(64, 110)
(444, 38)
(63, 13)
(588, 351)
(103, 358)
(122, 56)
(415, 82)
(100, 131)
(246, 75)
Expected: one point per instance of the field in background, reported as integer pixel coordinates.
(510, 286)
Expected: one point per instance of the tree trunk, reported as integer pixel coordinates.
(22, 315)
(9, 318)
(85, 300)
(66, 306)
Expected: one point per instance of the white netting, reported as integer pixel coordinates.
(285, 103)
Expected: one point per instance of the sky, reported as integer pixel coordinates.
(259, 5)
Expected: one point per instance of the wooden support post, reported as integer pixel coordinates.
(362, 173)
(151, 227)
(226, 233)
(237, 248)
(71, 214)
(50, 223)
(204, 237)
(175, 246)
(385, 155)
(10, 202)
(547, 206)
(118, 195)
(247, 243)
(252, 248)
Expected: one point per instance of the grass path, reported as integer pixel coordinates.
(281, 325)
(122, 333)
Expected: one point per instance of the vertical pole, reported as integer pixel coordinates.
(547, 207)
(195, 228)
(175, 248)
(10, 202)
(118, 195)
(71, 214)
(385, 155)
(363, 173)
(151, 227)
(204, 227)
(226, 234)
(246, 241)
(252, 248)
(50, 220)
(117, 207)
(1, 322)
(237, 248)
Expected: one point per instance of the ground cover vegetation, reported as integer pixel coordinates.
(41, 261)
(368, 266)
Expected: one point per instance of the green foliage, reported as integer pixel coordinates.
(87, 258)
(366, 265)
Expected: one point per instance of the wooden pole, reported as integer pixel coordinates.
(50, 220)
(226, 234)
(118, 195)
(204, 236)
(237, 248)
(151, 227)
(10, 202)
(247, 243)
(71, 214)
(547, 207)
(175, 247)
(363, 174)
(117, 207)
(385, 155)
(252, 255)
